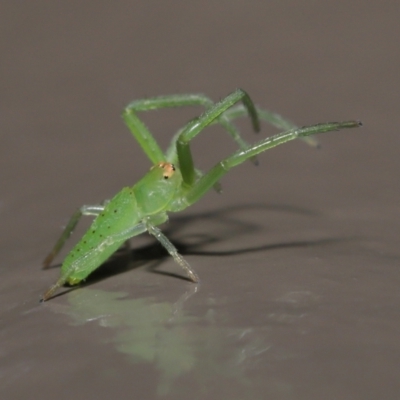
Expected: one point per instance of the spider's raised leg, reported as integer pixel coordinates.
(270, 117)
(195, 126)
(201, 186)
(146, 139)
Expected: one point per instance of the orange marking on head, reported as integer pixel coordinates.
(168, 168)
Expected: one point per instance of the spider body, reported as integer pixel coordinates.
(172, 183)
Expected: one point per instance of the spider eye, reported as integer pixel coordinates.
(168, 169)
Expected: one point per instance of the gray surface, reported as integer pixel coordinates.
(298, 258)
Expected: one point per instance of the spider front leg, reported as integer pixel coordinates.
(146, 139)
(201, 186)
(193, 128)
(270, 117)
(84, 210)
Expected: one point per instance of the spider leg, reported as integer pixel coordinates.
(195, 126)
(201, 186)
(156, 232)
(270, 117)
(146, 139)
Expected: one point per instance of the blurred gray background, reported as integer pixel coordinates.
(298, 257)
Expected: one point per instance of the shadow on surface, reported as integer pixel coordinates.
(234, 225)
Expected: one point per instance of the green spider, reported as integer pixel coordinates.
(172, 184)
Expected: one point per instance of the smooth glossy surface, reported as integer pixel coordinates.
(299, 297)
